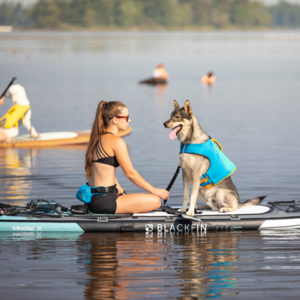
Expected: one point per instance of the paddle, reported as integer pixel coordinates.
(12, 81)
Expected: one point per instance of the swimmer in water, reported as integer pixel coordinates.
(209, 78)
(160, 73)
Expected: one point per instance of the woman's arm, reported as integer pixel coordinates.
(1, 101)
(122, 156)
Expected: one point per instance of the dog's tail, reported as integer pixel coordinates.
(252, 202)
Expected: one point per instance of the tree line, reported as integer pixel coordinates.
(149, 14)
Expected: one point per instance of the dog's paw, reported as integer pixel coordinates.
(223, 210)
(203, 207)
(190, 212)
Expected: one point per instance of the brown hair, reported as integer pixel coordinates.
(105, 111)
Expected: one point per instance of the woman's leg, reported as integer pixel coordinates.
(3, 136)
(137, 203)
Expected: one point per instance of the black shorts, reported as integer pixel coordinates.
(105, 203)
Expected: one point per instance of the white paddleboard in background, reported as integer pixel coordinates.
(48, 136)
(53, 139)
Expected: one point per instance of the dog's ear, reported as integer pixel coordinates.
(187, 107)
(175, 104)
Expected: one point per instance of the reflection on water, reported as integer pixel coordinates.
(128, 266)
(137, 265)
(27, 174)
(53, 173)
(161, 100)
(15, 168)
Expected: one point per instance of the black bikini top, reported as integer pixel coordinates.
(103, 157)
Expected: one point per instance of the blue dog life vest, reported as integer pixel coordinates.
(84, 193)
(220, 166)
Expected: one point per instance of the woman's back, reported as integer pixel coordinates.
(104, 165)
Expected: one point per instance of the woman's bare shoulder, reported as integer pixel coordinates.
(118, 141)
(113, 140)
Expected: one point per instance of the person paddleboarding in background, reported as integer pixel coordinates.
(160, 73)
(107, 151)
(209, 78)
(19, 113)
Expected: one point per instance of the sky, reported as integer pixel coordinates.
(26, 2)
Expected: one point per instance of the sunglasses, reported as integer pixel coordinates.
(121, 117)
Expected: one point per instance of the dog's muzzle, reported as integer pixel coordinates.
(166, 124)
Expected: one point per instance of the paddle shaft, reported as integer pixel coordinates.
(12, 81)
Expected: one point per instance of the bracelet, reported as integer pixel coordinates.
(123, 193)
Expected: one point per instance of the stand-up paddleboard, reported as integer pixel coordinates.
(48, 216)
(154, 81)
(52, 139)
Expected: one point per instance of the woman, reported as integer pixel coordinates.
(107, 151)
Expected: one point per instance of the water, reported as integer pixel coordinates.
(154, 266)
(252, 111)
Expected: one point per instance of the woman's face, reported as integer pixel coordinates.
(122, 123)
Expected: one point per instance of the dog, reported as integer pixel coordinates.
(222, 197)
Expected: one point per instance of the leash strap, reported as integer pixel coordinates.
(172, 181)
(174, 177)
(178, 213)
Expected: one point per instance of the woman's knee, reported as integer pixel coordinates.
(156, 202)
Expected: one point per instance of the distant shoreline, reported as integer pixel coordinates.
(145, 16)
(79, 29)
(91, 30)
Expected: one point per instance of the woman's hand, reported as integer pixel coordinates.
(1, 101)
(160, 193)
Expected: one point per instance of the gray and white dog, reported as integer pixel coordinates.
(222, 197)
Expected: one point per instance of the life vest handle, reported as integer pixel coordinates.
(12, 81)
(215, 141)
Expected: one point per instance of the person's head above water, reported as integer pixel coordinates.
(210, 74)
(108, 114)
(160, 66)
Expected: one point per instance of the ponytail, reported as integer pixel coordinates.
(105, 111)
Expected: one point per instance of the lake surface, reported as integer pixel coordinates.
(252, 110)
